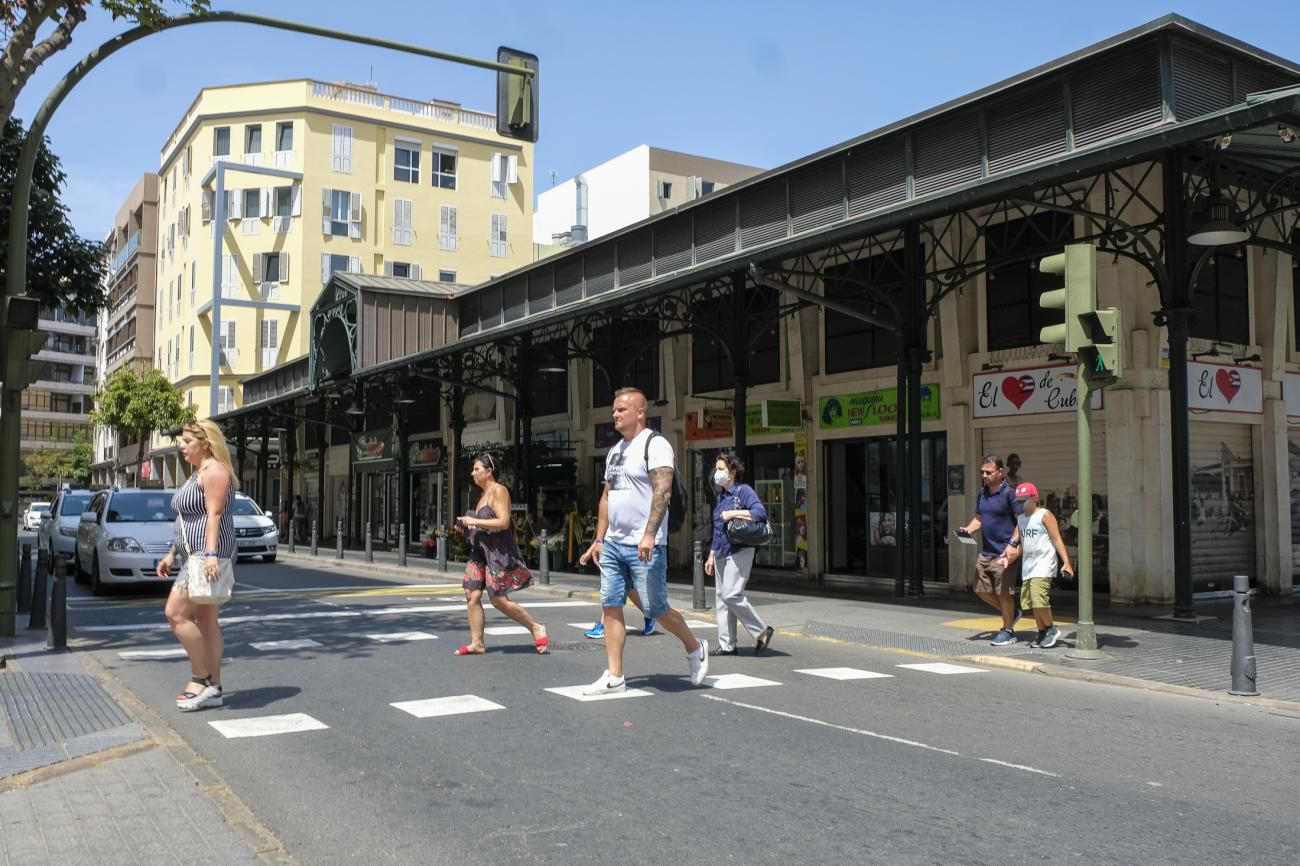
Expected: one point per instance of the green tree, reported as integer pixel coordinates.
(79, 460)
(137, 405)
(22, 23)
(64, 269)
(44, 468)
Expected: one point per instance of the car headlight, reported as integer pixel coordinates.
(69, 531)
(124, 545)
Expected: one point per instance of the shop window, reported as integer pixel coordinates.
(852, 344)
(1013, 249)
(1220, 300)
(550, 389)
(629, 353)
(711, 369)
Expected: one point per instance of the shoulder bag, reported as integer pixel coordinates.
(747, 533)
(200, 589)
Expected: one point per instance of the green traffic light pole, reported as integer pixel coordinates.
(16, 267)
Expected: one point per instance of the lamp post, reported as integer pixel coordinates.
(16, 267)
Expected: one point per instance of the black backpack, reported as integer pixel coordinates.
(677, 501)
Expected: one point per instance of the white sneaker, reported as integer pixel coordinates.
(699, 663)
(606, 685)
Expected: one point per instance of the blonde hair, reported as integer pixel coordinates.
(209, 432)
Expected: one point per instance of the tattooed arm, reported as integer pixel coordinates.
(661, 480)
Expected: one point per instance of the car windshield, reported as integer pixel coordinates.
(141, 508)
(245, 507)
(40, 507)
(74, 505)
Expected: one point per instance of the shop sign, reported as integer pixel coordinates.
(1291, 394)
(780, 413)
(606, 435)
(1035, 391)
(695, 432)
(717, 420)
(1227, 389)
(373, 445)
(868, 408)
(422, 453)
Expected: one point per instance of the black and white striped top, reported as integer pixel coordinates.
(192, 520)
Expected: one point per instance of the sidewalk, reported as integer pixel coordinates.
(91, 776)
(1140, 650)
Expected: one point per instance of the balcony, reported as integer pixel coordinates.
(124, 254)
(444, 112)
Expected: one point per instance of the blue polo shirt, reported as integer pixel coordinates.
(997, 512)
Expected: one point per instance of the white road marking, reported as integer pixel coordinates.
(266, 726)
(844, 673)
(450, 706)
(415, 608)
(302, 643)
(1020, 767)
(699, 623)
(231, 620)
(532, 604)
(585, 626)
(944, 668)
(398, 636)
(176, 653)
(506, 629)
(734, 681)
(575, 692)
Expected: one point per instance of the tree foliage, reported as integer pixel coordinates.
(59, 465)
(137, 405)
(64, 270)
(36, 30)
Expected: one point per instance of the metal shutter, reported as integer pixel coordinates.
(469, 315)
(673, 245)
(762, 215)
(568, 282)
(599, 270)
(947, 155)
(516, 299)
(1027, 129)
(877, 177)
(634, 259)
(715, 231)
(541, 291)
(1049, 458)
(1116, 96)
(1253, 79)
(1202, 84)
(1223, 505)
(817, 197)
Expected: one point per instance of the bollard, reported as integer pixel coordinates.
(293, 537)
(25, 580)
(1243, 639)
(37, 617)
(543, 558)
(370, 544)
(401, 546)
(58, 638)
(338, 539)
(315, 538)
(698, 561)
(442, 553)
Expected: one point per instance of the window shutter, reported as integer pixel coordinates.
(501, 221)
(354, 264)
(266, 201)
(185, 161)
(415, 272)
(205, 207)
(354, 214)
(296, 208)
(324, 268)
(235, 204)
(284, 267)
(388, 269)
(512, 169)
(258, 272)
(496, 167)
(328, 196)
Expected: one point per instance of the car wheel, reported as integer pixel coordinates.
(78, 574)
(270, 557)
(96, 585)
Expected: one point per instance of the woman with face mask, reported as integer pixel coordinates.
(731, 566)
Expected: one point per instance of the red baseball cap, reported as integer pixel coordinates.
(1026, 490)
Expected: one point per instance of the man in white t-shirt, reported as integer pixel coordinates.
(632, 540)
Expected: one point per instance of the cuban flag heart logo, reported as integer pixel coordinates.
(1229, 382)
(1018, 389)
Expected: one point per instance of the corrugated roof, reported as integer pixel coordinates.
(400, 285)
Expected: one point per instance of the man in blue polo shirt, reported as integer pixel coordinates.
(996, 510)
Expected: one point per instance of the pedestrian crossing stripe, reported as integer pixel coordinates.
(944, 668)
(268, 645)
(175, 653)
(268, 726)
(734, 681)
(497, 630)
(575, 693)
(448, 706)
(399, 636)
(844, 673)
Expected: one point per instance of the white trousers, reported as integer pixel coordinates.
(731, 573)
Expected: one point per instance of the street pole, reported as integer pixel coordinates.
(1085, 644)
(20, 201)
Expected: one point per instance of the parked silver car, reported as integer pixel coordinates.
(255, 531)
(32, 516)
(122, 536)
(58, 532)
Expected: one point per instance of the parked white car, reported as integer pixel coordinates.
(123, 535)
(255, 530)
(32, 516)
(58, 532)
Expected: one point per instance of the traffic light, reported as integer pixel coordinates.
(1102, 356)
(21, 368)
(1078, 265)
(517, 96)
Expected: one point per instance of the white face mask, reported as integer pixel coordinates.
(721, 477)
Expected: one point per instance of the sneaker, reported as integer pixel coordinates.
(1050, 637)
(649, 628)
(1037, 642)
(596, 632)
(1006, 637)
(1015, 617)
(699, 662)
(606, 685)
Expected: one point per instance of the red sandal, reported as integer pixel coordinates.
(463, 650)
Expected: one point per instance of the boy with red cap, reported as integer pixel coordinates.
(1041, 543)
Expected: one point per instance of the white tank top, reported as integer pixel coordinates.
(1037, 555)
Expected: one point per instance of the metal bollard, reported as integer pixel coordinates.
(442, 553)
(315, 538)
(37, 617)
(1243, 639)
(698, 562)
(370, 544)
(293, 537)
(58, 638)
(25, 580)
(338, 539)
(401, 546)
(543, 558)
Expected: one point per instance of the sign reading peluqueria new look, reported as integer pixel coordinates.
(869, 408)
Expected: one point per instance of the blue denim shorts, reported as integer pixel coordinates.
(619, 565)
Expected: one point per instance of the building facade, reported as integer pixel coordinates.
(56, 407)
(363, 182)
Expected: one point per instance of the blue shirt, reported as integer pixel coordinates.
(997, 512)
(741, 497)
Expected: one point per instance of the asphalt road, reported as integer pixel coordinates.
(983, 766)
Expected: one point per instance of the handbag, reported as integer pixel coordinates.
(748, 533)
(200, 589)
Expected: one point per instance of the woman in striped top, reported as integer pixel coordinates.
(205, 527)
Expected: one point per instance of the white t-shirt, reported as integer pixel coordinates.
(1037, 554)
(627, 478)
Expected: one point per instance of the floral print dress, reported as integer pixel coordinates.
(495, 563)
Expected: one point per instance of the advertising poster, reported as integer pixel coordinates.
(801, 527)
(1034, 391)
(869, 408)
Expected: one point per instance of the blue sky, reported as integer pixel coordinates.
(757, 82)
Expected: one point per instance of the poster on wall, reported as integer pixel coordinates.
(1033, 391)
(801, 500)
(868, 408)
(1226, 389)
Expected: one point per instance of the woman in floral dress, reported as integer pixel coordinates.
(495, 564)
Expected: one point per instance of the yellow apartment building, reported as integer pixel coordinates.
(361, 182)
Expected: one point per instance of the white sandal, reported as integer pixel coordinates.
(211, 696)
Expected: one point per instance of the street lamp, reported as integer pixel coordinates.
(1221, 227)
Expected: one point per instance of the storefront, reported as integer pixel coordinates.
(862, 474)
(426, 476)
(374, 468)
(1291, 392)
